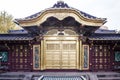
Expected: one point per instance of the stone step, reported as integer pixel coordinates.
(61, 78)
(10, 78)
(12, 75)
(109, 78)
(109, 75)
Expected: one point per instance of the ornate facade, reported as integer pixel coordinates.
(60, 37)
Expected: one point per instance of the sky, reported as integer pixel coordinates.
(109, 9)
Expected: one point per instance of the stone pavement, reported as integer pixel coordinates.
(59, 75)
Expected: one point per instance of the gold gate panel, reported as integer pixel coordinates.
(61, 54)
(52, 55)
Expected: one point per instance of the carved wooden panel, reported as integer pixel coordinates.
(20, 57)
(101, 57)
(86, 56)
(36, 57)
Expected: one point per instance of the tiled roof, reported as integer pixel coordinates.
(104, 37)
(105, 31)
(60, 5)
(87, 15)
(15, 37)
(33, 16)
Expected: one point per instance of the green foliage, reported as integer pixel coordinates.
(6, 22)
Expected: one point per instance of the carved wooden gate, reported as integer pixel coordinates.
(61, 54)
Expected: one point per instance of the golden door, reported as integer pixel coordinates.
(61, 54)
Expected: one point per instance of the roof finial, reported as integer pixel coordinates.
(60, 4)
(60, 1)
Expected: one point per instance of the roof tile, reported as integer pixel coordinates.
(16, 37)
(105, 37)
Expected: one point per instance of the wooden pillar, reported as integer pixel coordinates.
(80, 52)
(90, 55)
(30, 50)
(42, 55)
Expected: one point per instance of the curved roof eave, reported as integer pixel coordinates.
(34, 16)
(59, 7)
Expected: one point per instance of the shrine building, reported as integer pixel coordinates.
(60, 38)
